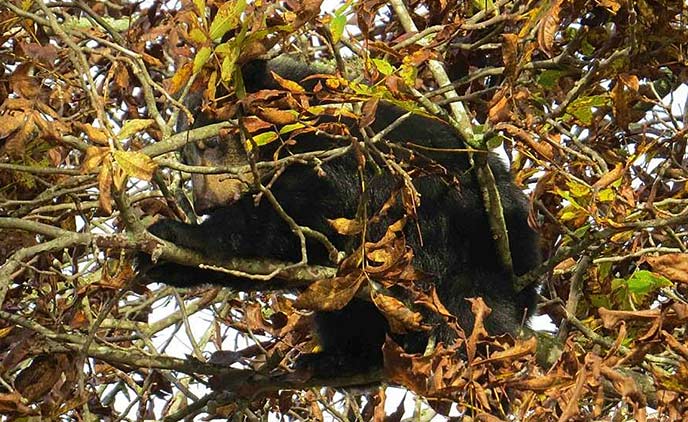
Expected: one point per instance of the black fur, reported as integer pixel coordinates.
(457, 250)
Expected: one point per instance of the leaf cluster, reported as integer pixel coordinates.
(583, 96)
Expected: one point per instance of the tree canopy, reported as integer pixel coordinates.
(585, 98)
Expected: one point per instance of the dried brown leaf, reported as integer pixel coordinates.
(572, 408)
(549, 25)
(10, 122)
(11, 404)
(520, 349)
(510, 54)
(330, 294)
(676, 345)
(46, 54)
(541, 383)
(610, 177)
(40, 376)
(673, 266)
(368, 112)
(500, 109)
(95, 134)
(254, 125)
(480, 310)
(105, 189)
(544, 149)
(611, 317)
(15, 145)
(93, 158)
(277, 116)
(407, 370)
(401, 319)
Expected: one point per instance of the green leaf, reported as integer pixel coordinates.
(201, 59)
(587, 48)
(578, 190)
(582, 108)
(383, 66)
(643, 282)
(227, 18)
(550, 78)
(229, 65)
(581, 231)
(262, 139)
(239, 83)
(290, 128)
(224, 49)
(483, 4)
(600, 301)
(343, 8)
(605, 270)
(567, 196)
(337, 25)
(362, 89)
(495, 142)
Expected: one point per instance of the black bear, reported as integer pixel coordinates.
(450, 237)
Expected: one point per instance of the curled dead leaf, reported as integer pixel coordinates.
(549, 24)
(401, 319)
(346, 226)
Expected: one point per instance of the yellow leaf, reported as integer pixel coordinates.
(288, 85)
(346, 226)
(133, 126)
(201, 59)
(135, 164)
(118, 177)
(200, 5)
(94, 158)
(5, 331)
(262, 139)
(228, 65)
(180, 78)
(198, 36)
(95, 134)
(227, 18)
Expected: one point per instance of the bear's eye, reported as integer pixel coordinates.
(213, 142)
(209, 143)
